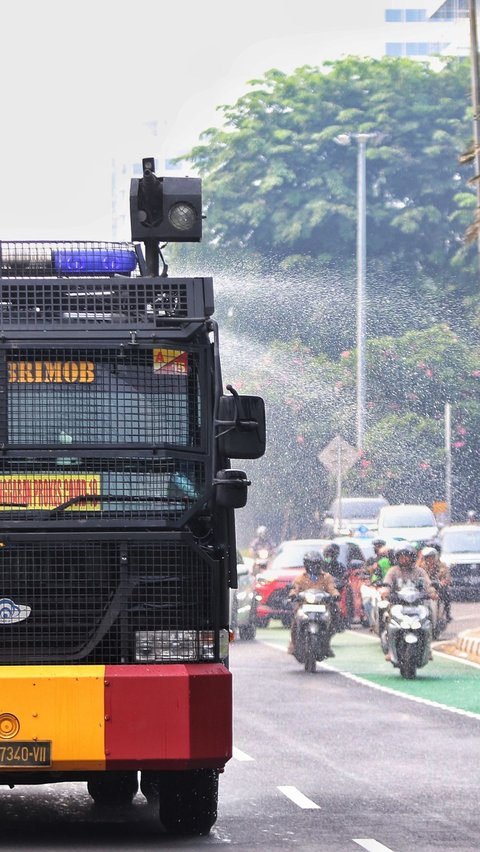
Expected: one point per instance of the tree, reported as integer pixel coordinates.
(278, 188)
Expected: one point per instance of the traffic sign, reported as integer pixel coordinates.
(338, 453)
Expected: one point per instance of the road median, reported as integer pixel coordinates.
(466, 645)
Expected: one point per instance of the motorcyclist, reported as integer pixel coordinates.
(472, 517)
(334, 566)
(440, 576)
(381, 567)
(406, 570)
(313, 577)
(262, 541)
(340, 575)
(371, 562)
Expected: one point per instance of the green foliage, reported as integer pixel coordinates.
(279, 186)
(281, 238)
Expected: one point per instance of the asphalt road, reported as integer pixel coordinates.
(336, 760)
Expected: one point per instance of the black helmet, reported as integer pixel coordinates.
(313, 562)
(406, 550)
(331, 551)
(378, 542)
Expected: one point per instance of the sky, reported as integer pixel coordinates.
(81, 80)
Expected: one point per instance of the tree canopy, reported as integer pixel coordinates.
(278, 186)
(281, 231)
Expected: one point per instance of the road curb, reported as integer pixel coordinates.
(468, 642)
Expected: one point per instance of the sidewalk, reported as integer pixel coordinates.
(466, 645)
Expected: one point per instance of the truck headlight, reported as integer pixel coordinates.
(160, 646)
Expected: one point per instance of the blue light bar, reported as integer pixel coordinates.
(94, 261)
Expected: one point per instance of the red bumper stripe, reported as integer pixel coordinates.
(168, 716)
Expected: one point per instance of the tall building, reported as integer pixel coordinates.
(424, 29)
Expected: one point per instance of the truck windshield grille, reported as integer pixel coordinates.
(107, 432)
(72, 601)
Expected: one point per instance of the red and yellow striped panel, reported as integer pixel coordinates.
(122, 717)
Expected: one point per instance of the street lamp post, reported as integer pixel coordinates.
(361, 139)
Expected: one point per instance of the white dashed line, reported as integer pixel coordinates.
(373, 845)
(240, 755)
(298, 797)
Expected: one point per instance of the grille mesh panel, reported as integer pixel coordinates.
(72, 588)
(45, 303)
(88, 422)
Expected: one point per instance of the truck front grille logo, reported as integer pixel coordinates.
(12, 613)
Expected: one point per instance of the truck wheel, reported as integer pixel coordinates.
(113, 789)
(149, 785)
(188, 800)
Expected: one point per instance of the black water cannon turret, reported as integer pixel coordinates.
(165, 209)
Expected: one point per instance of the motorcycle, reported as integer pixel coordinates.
(439, 616)
(351, 603)
(261, 560)
(408, 630)
(312, 628)
(371, 605)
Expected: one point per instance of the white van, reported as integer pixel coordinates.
(407, 521)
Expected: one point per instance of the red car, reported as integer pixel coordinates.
(272, 584)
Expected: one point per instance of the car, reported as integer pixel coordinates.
(350, 514)
(243, 601)
(273, 584)
(406, 522)
(460, 545)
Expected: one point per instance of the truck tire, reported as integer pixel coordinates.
(113, 789)
(188, 800)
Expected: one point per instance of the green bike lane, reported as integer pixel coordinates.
(443, 681)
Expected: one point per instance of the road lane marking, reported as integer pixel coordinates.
(240, 755)
(363, 682)
(398, 693)
(298, 797)
(373, 845)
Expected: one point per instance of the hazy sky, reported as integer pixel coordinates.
(81, 79)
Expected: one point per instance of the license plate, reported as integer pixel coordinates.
(314, 608)
(25, 753)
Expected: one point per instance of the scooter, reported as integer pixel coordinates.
(312, 628)
(408, 630)
(351, 603)
(439, 616)
(261, 559)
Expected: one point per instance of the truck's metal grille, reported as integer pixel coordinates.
(82, 601)
(49, 286)
(108, 423)
(86, 396)
(118, 302)
(95, 488)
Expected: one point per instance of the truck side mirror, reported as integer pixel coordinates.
(231, 488)
(241, 426)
